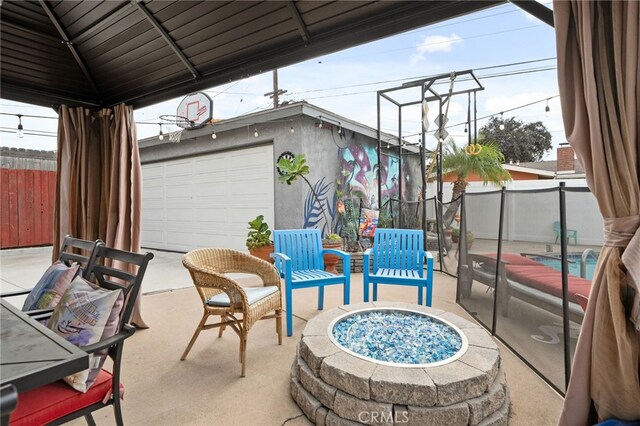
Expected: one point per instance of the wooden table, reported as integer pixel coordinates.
(31, 355)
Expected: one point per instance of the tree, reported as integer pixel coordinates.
(483, 159)
(518, 141)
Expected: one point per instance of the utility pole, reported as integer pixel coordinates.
(275, 95)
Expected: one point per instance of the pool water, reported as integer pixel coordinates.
(397, 337)
(574, 264)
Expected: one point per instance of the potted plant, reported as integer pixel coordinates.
(259, 239)
(455, 237)
(290, 171)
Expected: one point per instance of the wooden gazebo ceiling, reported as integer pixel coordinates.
(102, 53)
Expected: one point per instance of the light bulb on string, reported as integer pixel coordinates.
(547, 109)
(255, 131)
(20, 131)
(320, 125)
(213, 134)
(502, 121)
(160, 135)
(292, 130)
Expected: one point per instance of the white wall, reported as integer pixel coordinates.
(530, 216)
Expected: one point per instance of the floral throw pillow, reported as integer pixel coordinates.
(49, 289)
(81, 317)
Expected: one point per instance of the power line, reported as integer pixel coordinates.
(29, 116)
(417, 77)
(533, 70)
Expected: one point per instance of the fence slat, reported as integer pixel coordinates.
(27, 199)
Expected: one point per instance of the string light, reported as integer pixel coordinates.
(502, 121)
(255, 131)
(213, 134)
(547, 109)
(20, 132)
(160, 135)
(292, 130)
(320, 125)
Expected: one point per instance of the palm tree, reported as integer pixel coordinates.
(483, 160)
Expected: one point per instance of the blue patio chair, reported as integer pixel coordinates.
(571, 233)
(398, 258)
(298, 258)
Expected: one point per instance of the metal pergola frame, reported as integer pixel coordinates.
(428, 94)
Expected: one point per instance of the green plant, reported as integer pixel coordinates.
(333, 237)
(455, 234)
(290, 171)
(483, 160)
(259, 234)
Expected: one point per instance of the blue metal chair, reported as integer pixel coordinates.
(298, 257)
(398, 258)
(571, 233)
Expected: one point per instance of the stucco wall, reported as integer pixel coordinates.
(326, 152)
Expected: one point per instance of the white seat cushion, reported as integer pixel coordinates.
(253, 294)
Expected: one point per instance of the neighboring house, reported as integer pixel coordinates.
(203, 191)
(27, 197)
(565, 167)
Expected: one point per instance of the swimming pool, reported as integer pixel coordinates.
(574, 260)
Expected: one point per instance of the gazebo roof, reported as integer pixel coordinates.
(140, 52)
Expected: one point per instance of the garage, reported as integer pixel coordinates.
(206, 200)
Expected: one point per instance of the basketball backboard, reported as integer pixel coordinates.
(197, 108)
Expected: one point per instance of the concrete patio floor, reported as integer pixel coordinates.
(207, 388)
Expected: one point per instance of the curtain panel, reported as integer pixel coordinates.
(99, 180)
(598, 75)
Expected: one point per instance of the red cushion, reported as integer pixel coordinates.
(53, 401)
(549, 280)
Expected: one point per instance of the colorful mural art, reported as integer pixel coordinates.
(356, 188)
(359, 168)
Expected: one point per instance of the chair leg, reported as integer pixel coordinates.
(346, 290)
(289, 308)
(375, 292)
(429, 290)
(420, 295)
(117, 411)
(279, 325)
(222, 327)
(320, 298)
(366, 290)
(91, 422)
(243, 351)
(195, 336)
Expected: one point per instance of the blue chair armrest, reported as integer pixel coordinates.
(283, 264)
(280, 256)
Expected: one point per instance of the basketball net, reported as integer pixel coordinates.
(174, 137)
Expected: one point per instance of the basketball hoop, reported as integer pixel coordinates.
(179, 121)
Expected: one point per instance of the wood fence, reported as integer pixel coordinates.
(27, 200)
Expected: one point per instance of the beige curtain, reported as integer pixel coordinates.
(598, 74)
(99, 180)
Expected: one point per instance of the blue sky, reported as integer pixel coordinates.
(343, 82)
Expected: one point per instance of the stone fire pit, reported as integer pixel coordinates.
(460, 381)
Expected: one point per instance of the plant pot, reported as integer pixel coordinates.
(455, 237)
(331, 260)
(263, 252)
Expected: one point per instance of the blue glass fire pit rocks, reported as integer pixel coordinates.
(398, 337)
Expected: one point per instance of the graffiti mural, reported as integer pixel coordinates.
(360, 171)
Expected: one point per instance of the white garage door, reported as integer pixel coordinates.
(206, 201)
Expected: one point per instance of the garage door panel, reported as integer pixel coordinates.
(206, 201)
(219, 189)
(211, 215)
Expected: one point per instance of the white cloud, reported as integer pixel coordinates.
(434, 43)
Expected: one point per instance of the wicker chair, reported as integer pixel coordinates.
(225, 297)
